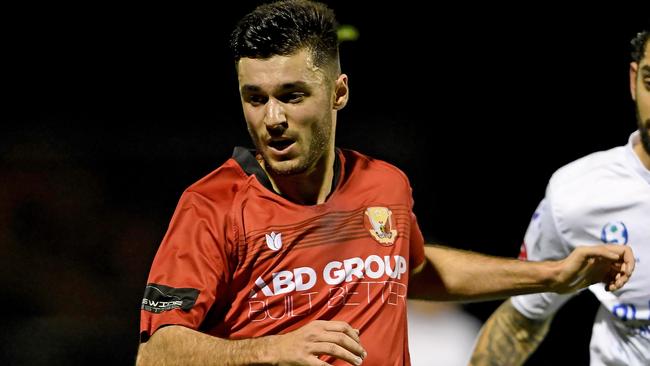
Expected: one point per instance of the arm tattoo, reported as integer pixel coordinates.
(508, 338)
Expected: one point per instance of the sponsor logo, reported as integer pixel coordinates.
(335, 272)
(380, 225)
(159, 298)
(614, 232)
(356, 281)
(274, 241)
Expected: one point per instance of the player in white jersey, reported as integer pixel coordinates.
(603, 197)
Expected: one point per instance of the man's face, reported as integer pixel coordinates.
(289, 108)
(640, 78)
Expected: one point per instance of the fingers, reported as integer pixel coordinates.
(343, 327)
(623, 253)
(615, 284)
(607, 263)
(332, 338)
(620, 269)
(604, 251)
(336, 350)
(628, 260)
(341, 341)
(618, 277)
(614, 280)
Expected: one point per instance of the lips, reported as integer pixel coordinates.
(281, 144)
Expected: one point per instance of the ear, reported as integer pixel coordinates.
(341, 92)
(634, 70)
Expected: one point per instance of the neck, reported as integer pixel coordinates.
(643, 155)
(309, 188)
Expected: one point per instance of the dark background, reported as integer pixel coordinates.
(110, 112)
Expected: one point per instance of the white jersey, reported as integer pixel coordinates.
(603, 197)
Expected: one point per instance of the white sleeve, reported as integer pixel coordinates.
(542, 242)
(539, 306)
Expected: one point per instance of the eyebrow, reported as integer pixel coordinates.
(248, 88)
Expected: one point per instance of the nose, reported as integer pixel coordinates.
(274, 114)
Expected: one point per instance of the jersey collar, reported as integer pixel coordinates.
(245, 157)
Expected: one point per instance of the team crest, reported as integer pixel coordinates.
(614, 233)
(381, 225)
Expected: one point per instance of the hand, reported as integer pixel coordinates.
(611, 264)
(320, 337)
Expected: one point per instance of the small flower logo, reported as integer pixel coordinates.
(274, 241)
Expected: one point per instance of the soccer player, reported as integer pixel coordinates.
(604, 197)
(300, 253)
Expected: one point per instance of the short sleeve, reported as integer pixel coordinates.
(191, 269)
(542, 242)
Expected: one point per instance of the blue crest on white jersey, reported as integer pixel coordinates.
(614, 232)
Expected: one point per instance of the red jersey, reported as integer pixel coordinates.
(241, 261)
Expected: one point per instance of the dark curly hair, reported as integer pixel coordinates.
(286, 27)
(639, 44)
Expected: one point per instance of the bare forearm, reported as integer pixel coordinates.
(508, 338)
(176, 345)
(451, 274)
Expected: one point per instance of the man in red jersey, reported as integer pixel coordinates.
(299, 253)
